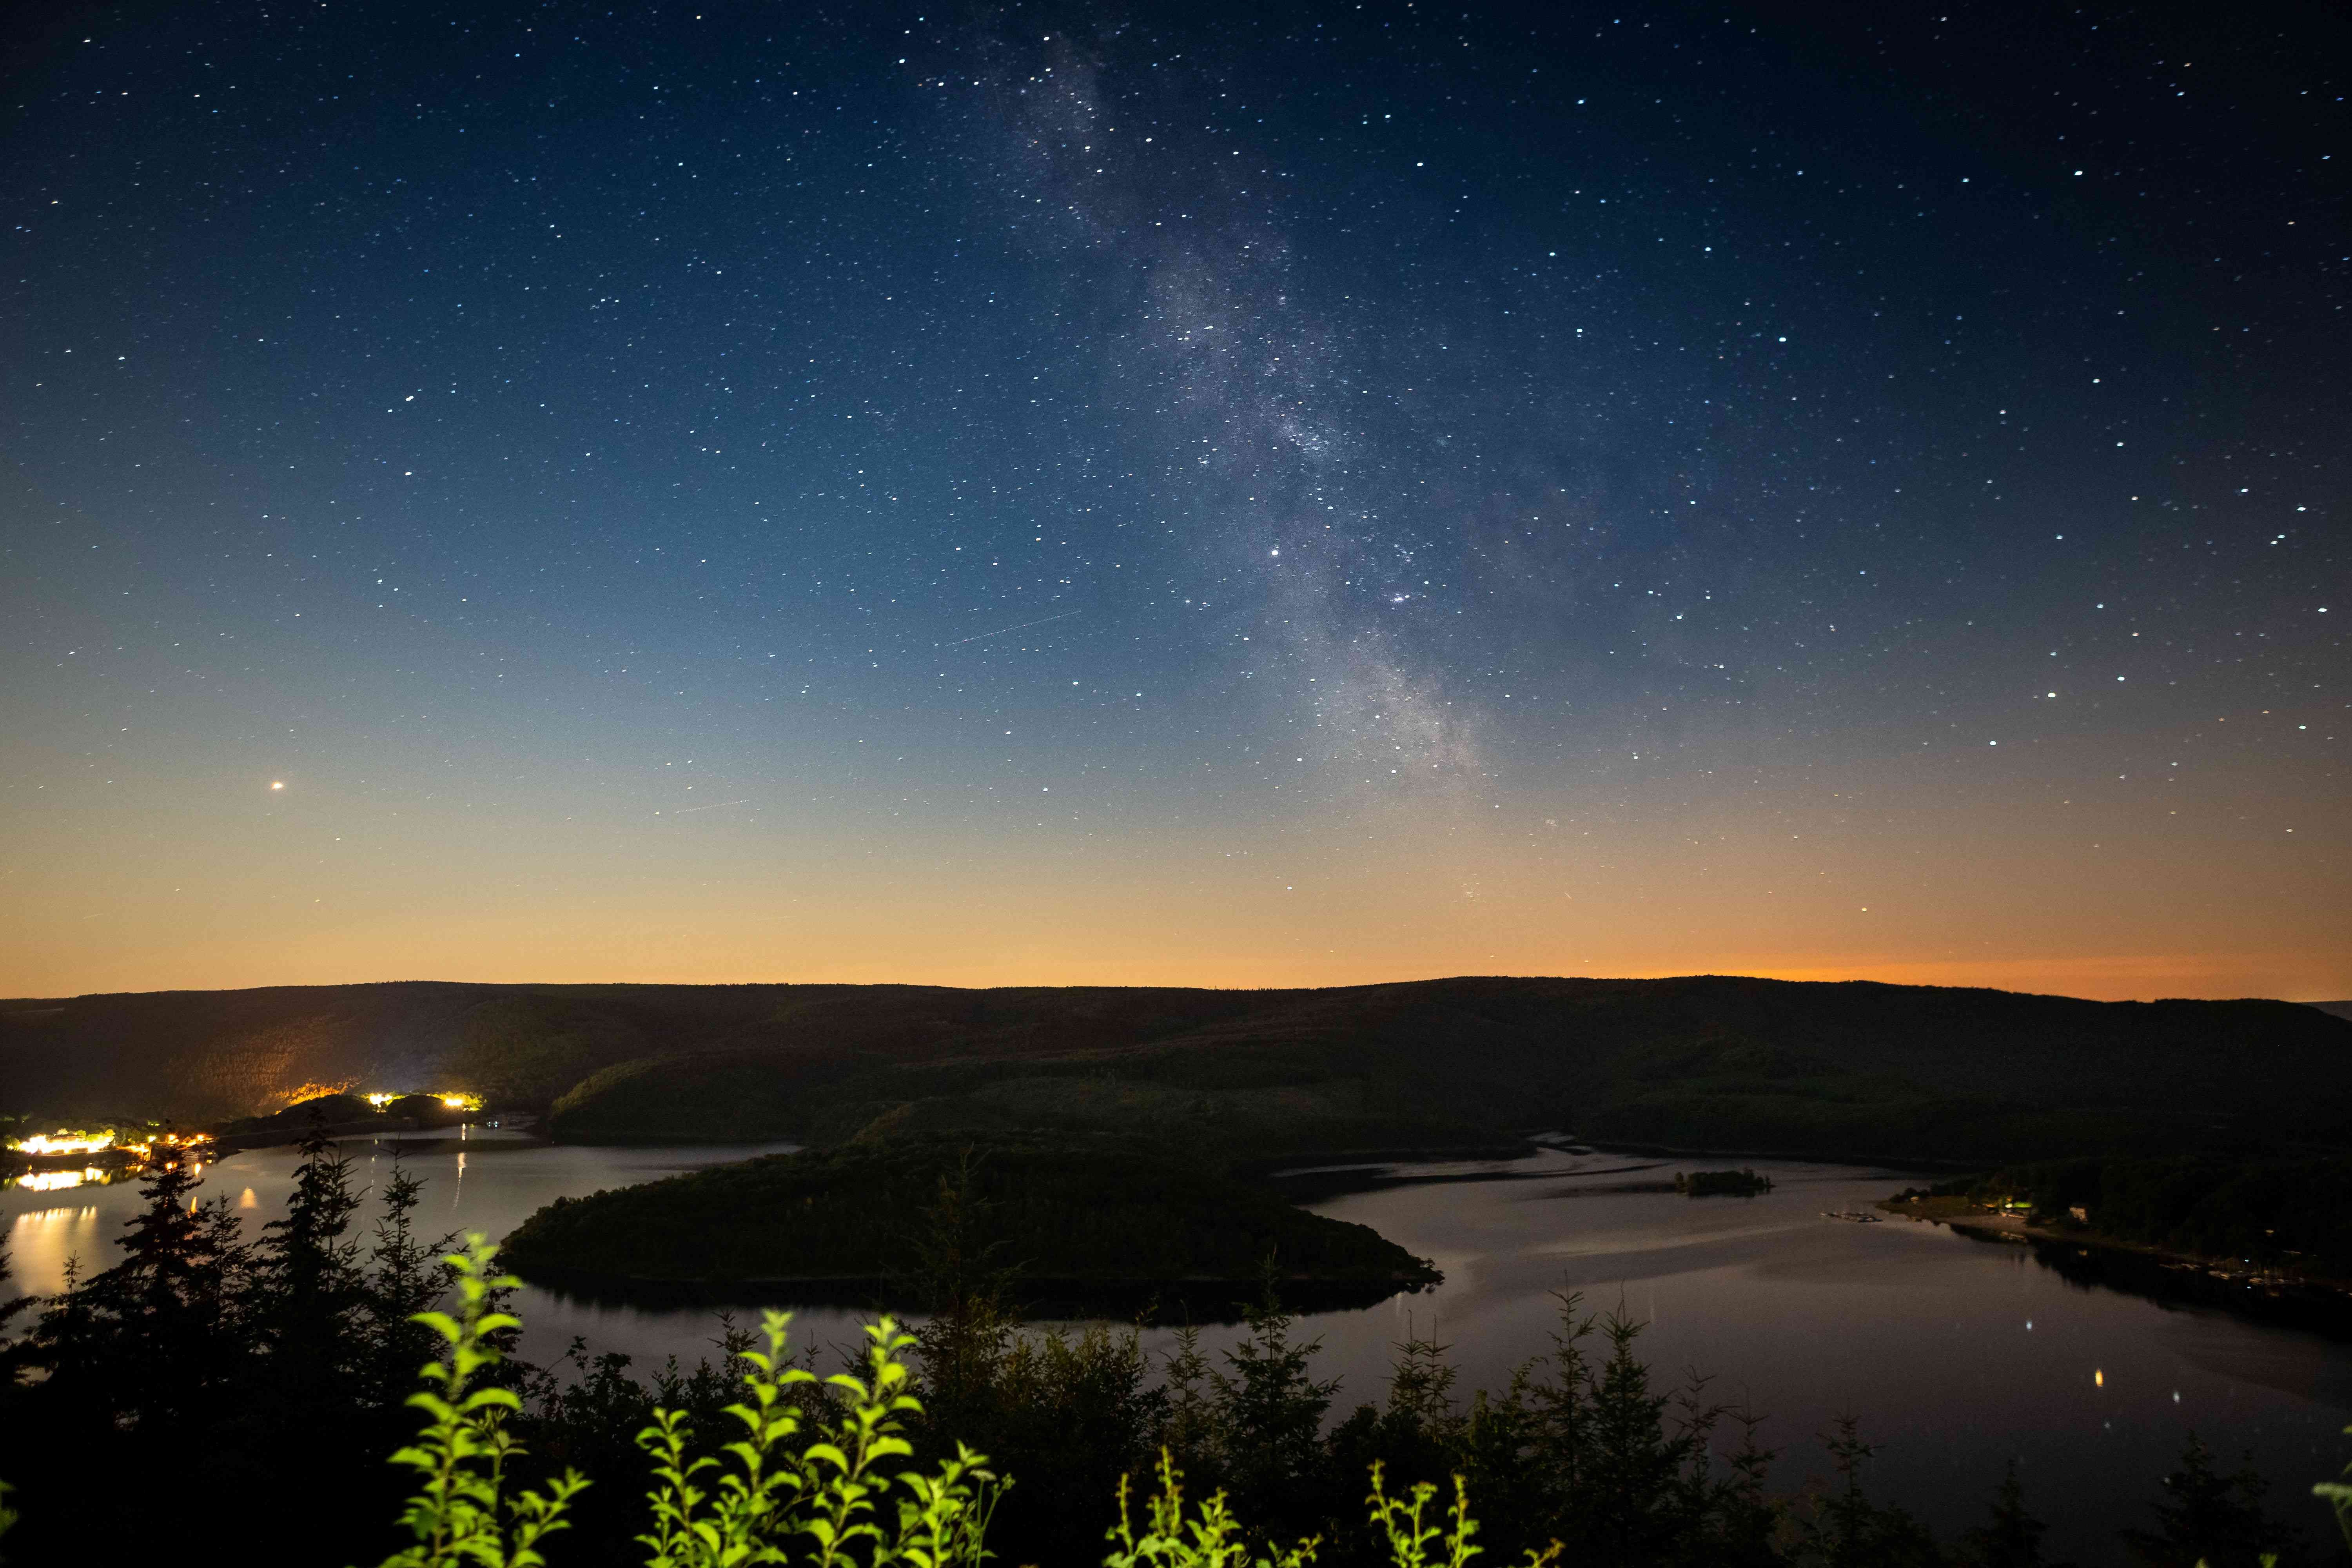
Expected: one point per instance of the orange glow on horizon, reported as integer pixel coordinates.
(1946, 883)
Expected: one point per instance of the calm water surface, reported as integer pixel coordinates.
(1954, 1355)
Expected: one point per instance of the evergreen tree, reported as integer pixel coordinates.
(1270, 1414)
(405, 1276)
(1188, 1428)
(964, 1284)
(1417, 1436)
(153, 1340)
(1637, 1506)
(311, 1294)
(1745, 1524)
(2011, 1538)
(1073, 1409)
(1562, 1405)
(1415, 1439)
(11, 1307)
(1849, 1531)
(2207, 1516)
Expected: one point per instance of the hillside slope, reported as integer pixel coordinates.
(1705, 1061)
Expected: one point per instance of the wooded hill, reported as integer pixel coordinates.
(1084, 1222)
(1852, 1069)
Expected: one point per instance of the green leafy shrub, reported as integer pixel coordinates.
(791, 1488)
(459, 1514)
(1209, 1538)
(830, 1496)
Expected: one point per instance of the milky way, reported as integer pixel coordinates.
(1210, 495)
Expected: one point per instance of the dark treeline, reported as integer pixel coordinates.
(244, 1369)
(1071, 1209)
(247, 1393)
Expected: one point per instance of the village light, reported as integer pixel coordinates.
(65, 1142)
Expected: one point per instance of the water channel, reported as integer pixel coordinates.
(1955, 1355)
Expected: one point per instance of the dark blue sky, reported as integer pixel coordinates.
(1255, 495)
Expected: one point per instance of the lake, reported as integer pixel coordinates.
(1954, 1355)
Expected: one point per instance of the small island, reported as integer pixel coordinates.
(1743, 1183)
(1070, 1223)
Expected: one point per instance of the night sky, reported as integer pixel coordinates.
(1277, 495)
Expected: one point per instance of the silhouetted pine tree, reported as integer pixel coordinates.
(1269, 1426)
(964, 1282)
(2011, 1538)
(153, 1340)
(1417, 1435)
(1746, 1524)
(2207, 1516)
(405, 1276)
(1849, 1531)
(310, 1293)
(1636, 1471)
(11, 1307)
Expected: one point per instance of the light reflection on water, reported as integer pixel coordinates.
(61, 1181)
(1954, 1355)
(484, 1181)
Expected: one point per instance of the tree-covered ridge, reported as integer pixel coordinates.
(1078, 1212)
(1854, 1069)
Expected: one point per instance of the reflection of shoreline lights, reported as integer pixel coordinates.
(54, 1181)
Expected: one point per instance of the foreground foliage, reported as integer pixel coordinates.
(831, 1498)
(285, 1370)
(823, 1503)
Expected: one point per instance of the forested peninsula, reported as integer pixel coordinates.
(1085, 1223)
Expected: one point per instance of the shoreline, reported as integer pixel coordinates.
(2312, 1302)
(1204, 1299)
(1909, 1163)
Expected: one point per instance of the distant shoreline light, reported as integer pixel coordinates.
(381, 1098)
(65, 1142)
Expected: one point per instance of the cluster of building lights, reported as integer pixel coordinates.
(64, 1141)
(146, 1148)
(382, 1098)
(83, 1141)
